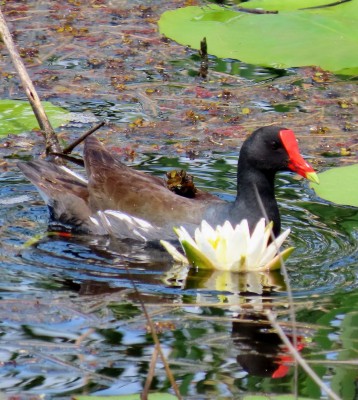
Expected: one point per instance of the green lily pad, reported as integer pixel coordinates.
(339, 185)
(291, 38)
(16, 116)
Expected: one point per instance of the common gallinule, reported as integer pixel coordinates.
(121, 201)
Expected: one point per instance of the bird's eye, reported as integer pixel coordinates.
(275, 145)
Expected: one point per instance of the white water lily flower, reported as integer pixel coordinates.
(231, 249)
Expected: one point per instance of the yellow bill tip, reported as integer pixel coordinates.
(313, 177)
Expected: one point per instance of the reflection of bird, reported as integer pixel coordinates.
(261, 350)
(145, 208)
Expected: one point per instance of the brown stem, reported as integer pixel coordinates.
(336, 3)
(150, 376)
(69, 148)
(156, 341)
(52, 143)
(254, 10)
(77, 161)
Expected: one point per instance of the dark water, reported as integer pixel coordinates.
(71, 322)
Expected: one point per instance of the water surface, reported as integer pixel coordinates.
(72, 323)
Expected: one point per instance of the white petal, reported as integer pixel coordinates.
(205, 231)
(273, 248)
(201, 242)
(237, 246)
(209, 251)
(242, 233)
(268, 233)
(234, 241)
(257, 245)
(205, 234)
(183, 235)
(226, 230)
(229, 241)
(282, 237)
(221, 252)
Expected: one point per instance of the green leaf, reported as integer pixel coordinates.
(196, 257)
(291, 38)
(339, 185)
(16, 116)
(178, 257)
(151, 396)
(275, 263)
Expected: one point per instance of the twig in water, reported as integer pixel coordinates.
(64, 154)
(153, 361)
(75, 160)
(158, 347)
(69, 148)
(52, 143)
(246, 10)
(254, 10)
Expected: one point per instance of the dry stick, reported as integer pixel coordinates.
(336, 3)
(299, 358)
(155, 339)
(148, 382)
(69, 148)
(254, 10)
(75, 160)
(78, 161)
(52, 143)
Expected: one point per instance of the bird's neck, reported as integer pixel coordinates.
(255, 192)
(252, 183)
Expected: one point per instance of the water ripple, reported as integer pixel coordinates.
(324, 235)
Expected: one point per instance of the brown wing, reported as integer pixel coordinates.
(65, 194)
(113, 185)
